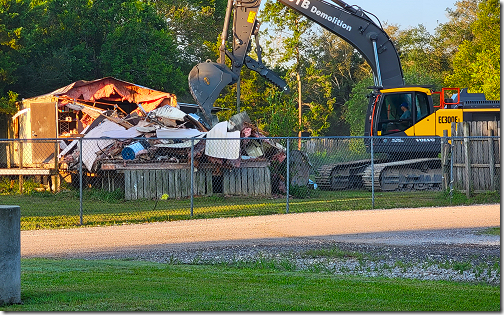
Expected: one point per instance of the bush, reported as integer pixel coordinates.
(300, 192)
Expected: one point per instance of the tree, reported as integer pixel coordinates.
(13, 18)
(70, 40)
(458, 28)
(290, 46)
(476, 64)
(196, 25)
(422, 52)
(283, 18)
(342, 67)
(281, 116)
(141, 50)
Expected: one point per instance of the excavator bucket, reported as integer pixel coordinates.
(206, 81)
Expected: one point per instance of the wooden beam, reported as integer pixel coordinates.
(27, 171)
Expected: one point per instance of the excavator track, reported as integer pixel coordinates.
(341, 175)
(417, 174)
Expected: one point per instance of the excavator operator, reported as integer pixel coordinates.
(406, 112)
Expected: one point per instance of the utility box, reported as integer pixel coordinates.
(10, 255)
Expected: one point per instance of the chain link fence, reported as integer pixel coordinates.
(120, 180)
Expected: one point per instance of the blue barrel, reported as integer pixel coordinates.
(130, 151)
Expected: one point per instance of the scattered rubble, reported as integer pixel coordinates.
(133, 126)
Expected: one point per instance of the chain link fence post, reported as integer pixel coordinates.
(80, 182)
(287, 181)
(192, 177)
(451, 169)
(372, 174)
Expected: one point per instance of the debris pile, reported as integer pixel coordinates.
(167, 135)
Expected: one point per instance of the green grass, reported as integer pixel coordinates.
(491, 231)
(44, 210)
(112, 285)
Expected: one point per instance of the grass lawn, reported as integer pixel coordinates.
(62, 210)
(115, 285)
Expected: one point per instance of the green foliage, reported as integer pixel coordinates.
(422, 53)
(141, 50)
(491, 231)
(8, 104)
(281, 120)
(342, 66)
(477, 62)
(12, 186)
(301, 192)
(355, 108)
(71, 40)
(458, 197)
(313, 86)
(196, 26)
(256, 98)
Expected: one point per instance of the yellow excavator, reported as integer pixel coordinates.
(402, 120)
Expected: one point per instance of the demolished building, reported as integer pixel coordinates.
(141, 141)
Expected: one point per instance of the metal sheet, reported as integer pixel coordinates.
(228, 144)
(92, 146)
(178, 133)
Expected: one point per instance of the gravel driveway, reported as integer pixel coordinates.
(423, 243)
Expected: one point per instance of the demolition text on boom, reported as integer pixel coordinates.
(332, 19)
(305, 4)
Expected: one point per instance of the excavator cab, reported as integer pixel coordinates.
(399, 111)
(394, 114)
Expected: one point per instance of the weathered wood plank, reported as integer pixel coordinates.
(152, 184)
(140, 183)
(257, 180)
(460, 157)
(244, 181)
(225, 182)
(209, 182)
(232, 182)
(261, 184)
(166, 183)
(159, 183)
(491, 161)
(479, 155)
(127, 185)
(187, 182)
(147, 188)
(196, 188)
(267, 180)
(467, 159)
(176, 186)
(171, 184)
(238, 181)
(134, 182)
(250, 182)
(445, 150)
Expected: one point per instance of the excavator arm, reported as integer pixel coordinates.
(207, 79)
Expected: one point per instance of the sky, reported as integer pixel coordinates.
(406, 13)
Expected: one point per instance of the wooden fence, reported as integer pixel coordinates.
(475, 156)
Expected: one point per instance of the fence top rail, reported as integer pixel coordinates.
(189, 138)
(245, 138)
